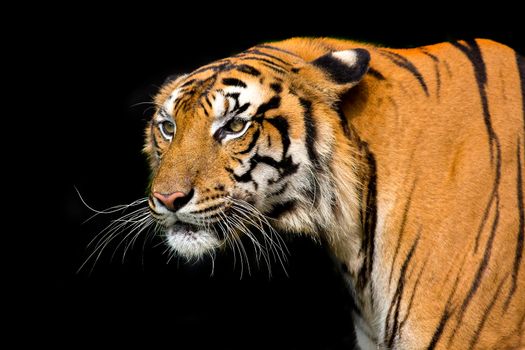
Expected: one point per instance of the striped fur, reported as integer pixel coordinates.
(408, 164)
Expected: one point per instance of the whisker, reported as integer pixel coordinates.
(136, 222)
(110, 210)
(248, 213)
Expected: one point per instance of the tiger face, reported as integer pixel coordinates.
(235, 146)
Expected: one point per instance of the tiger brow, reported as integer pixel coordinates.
(164, 113)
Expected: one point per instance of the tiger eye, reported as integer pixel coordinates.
(167, 128)
(236, 125)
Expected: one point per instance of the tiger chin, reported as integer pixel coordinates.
(406, 163)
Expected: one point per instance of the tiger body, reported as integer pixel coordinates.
(408, 164)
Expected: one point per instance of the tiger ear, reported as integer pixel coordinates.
(344, 68)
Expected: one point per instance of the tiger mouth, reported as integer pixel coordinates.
(189, 231)
(185, 229)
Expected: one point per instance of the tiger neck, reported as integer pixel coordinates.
(349, 230)
(350, 239)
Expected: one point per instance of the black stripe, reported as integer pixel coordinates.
(207, 100)
(246, 68)
(520, 61)
(480, 271)
(311, 133)
(260, 59)
(286, 166)
(235, 96)
(178, 104)
(246, 177)
(401, 231)
(204, 110)
(398, 296)
(433, 57)
(281, 124)
(404, 63)
(343, 121)
(486, 213)
(266, 160)
(447, 312)
(270, 47)
(436, 337)
(521, 228)
(473, 53)
(281, 208)
(375, 73)
(371, 208)
(238, 160)
(187, 83)
(488, 309)
(253, 142)
(261, 53)
(207, 85)
(273, 103)
(276, 87)
(447, 68)
(242, 108)
(436, 69)
(186, 104)
(369, 223)
(274, 68)
(439, 330)
(310, 140)
(233, 82)
(411, 301)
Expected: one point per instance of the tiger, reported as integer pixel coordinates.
(406, 164)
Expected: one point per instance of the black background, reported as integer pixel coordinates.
(92, 70)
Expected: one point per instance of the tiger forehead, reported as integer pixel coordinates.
(262, 64)
(220, 95)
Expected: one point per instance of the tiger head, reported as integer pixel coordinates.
(250, 142)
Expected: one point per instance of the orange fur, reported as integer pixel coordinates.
(444, 270)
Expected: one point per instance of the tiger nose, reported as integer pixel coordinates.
(175, 200)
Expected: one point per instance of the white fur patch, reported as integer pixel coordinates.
(363, 341)
(192, 246)
(219, 105)
(348, 57)
(251, 93)
(170, 101)
(385, 204)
